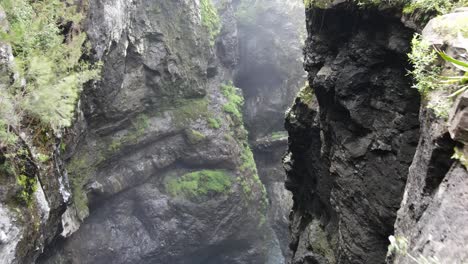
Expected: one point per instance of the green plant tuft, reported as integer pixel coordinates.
(424, 58)
(138, 128)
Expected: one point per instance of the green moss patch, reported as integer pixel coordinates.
(137, 130)
(199, 184)
(190, 110)
(235, 101)
(210, 19)
(214, 123)
(28, 187)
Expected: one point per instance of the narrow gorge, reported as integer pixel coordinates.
(233, 131)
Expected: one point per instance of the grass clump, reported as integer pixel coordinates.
(317, 3)
(80, 170)
(399, 246)
(235, 101)
(426, 74)
(249, 184)
(196, 185)
(424, 58)
(18, 165)
(210, 19)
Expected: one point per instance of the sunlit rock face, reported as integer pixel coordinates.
(156, 115)
(353, 135)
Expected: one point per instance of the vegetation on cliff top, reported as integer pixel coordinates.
(440, 90)
(51, 74)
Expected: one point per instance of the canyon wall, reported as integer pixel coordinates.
(157, 167)
(163, 172)
(354, 134)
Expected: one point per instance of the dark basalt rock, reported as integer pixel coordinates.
(349, 152)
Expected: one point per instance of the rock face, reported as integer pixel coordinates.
(353, 134)
(434, 210)
(161, 120)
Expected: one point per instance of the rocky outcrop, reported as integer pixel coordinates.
(355, 140)
(352, 135)
(434, 210)
(162, 171)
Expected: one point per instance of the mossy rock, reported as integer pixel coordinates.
(200, 185)
(190, 110)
